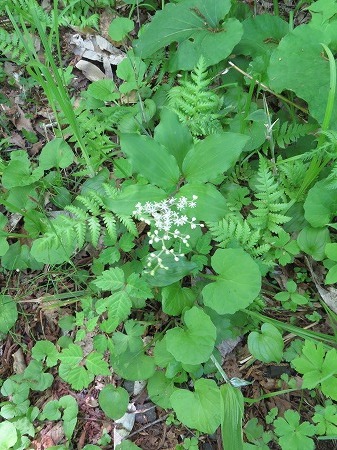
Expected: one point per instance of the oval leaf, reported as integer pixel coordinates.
(114, 401)
(266, 346)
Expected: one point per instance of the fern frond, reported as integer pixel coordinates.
(129, 224)
(80, 229)
(110, 225)
(77, 212)
(195, 104)
(110, 191)
(90, 202)
(12, 47)
(270, 203)
(291, 132)
(94, 230)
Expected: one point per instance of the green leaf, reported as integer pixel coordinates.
(126, 444)
(200, 409)
(320, 206)
(197, 31)
(114, 401)
(69, 417)
(110, 280)
(56, 153)
(45, 350)
(8, 435)
(194, 344)
(232, 410)
(133, 366)
(151, 160)
(266, 346)
(96, 364)
(160, 390)
(300, 51)
(78, 377)
(313, 241)
(175, 272)
(119, 28)
(173, 135)
(9, 313)
(132, 70)
(176, 298)
(18, 172)
(238, 282)
(331, 276)
(211, 205)
(331, 251)
(219, 152)
(292, 434)
(104, 90)
(318, 367)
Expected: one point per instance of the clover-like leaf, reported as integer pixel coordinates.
(238, 282)
(200, 409)
(194, 344)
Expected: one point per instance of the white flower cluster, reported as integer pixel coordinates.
(165, 217)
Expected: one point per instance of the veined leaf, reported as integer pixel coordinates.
(151, 160)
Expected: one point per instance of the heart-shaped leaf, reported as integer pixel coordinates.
(114, 401)
(194, 344)
(238, 282)
(200, 409)
(268, 345)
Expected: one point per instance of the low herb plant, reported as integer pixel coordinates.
(172, 199)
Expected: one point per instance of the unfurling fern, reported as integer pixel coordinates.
(195, 104)
(290, 132)
(270, 204)
(236, 231)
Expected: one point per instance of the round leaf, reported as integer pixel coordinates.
(194, 344)
(268, 345)
(56, 153)
(313, 240)
(119, 28)
(160, 390)
(9, 313)
(113, 401)
(8, 435)
(201, 409)
(238, 282)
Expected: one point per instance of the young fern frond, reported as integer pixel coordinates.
(110, 225)
(270, 203)
(129, 224)
(195, 104)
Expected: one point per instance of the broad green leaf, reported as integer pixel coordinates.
(103, 90)
(331, 276)
(132, 70)
(56, 153)
(200, 409)
(70, 410)
(238, 282)
(194, 344)
(72, 355)
(96, 364)
(176, 298)
(160, 390)
(18, 172)
(299, 52)
(175, 272)
(320, 206)
(212, 156)
(9, 313)
(151, 160)
(232, 410)
(119, 305)
(113, 401)
(131, 195)
(8, 435)
(266, 346)
(4, 246)
(173, 135)
(313, 241)
(45, 350)
(211, 205)
(197, 31)
(78, 377)
(261, 34)
(110, 280)
(133, 366)
(126, 444)
(53, 251)
(331, 251)
(119, 28)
